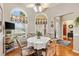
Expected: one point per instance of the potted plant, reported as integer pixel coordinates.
(38, 34)
(77, 21)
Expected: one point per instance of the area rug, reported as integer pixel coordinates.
(64, 42)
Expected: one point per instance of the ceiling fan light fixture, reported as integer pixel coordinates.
(45, 5)
(40, 9)
(35, 9)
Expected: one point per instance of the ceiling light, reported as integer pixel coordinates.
(35, 9)
(38, 7)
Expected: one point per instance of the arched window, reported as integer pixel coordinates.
(18, 15)
(41, 19)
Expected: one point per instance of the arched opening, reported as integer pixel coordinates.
(41, 22)
(19, 16)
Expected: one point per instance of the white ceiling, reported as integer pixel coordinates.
(50, 5)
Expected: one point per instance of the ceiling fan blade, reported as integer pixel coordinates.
(44, 5)
(30, 5)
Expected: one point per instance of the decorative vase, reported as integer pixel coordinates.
(38, 37)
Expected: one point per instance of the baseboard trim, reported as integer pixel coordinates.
(75, 51)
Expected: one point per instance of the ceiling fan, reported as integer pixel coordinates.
(38, 7)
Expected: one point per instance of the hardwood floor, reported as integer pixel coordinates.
(15, 52)
(64, 51)
(60, 50)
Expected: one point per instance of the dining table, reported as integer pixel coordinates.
(38, 44)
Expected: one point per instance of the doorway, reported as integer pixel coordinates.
(68, 31)
(64, 31)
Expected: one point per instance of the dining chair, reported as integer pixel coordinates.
(25, 50)
(45, 50)
(50, 49)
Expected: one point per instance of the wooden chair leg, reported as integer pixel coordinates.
(21, 53)
(46, 53)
